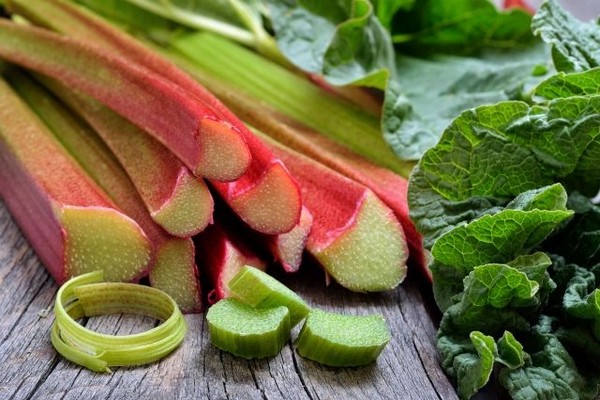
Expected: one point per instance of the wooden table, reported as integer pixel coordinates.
(31, 369)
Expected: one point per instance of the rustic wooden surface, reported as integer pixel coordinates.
(31, 369)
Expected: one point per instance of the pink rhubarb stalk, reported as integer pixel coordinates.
(174, 269)
(178, 201)
(73, 226)
(209, 146)
(265, 197)
(220, 256)
(354, 235)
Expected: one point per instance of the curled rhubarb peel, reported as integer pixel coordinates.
(209, 146)
(265, 196)
(88, 295)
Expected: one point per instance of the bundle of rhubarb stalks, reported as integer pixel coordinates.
(185, 163)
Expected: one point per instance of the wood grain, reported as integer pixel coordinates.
(31, 369)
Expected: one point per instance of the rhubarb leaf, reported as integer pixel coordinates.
(510, 351)
(469, 361)
(563, 85)
(552, 372)
(386, 9)
(575, 44)
(460, 26)
(429, 93)
(343, 40)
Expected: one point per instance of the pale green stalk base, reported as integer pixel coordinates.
(371, 255)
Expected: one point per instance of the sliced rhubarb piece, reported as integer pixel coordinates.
(174, 269)
(209, 146)
(342, 340)
(265, 197)
(354, 235)
(221, 255)
(246, 331)
(259, 289)
(73, 226)
(178, 201)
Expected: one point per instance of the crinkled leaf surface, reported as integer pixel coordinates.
(428, 93)
(510, 351)
(563, 85)
(342, 40)
(469, 361)
(552, 373)
(575, 44)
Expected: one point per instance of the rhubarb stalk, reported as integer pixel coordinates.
(178, 201)
(174, 270)
(73, 226)
(354, 235)
(221, 255)
(209, 146)
(265, 197)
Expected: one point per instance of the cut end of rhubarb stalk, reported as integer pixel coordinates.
(369, 256)
(175, 273)
(102, 238)
(189, 210)
(273, 205)
(224, 154)
(288, 247)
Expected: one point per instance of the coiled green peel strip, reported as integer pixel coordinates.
(87, 295)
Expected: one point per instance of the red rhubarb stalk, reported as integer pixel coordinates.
(174, 269)
(178, 201)
(221, 255)
(73, 226)
(265, 197)
(209, 146)
(354, 235)
(390, 187)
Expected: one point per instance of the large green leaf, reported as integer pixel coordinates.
(563, 85)
(342, 40)
(460, 26)
(552, 373)
(428, 93)
(575, 44)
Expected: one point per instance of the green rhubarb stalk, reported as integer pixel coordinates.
(246, 331)
(178, 201)
(342, 340)
(73, 226)
(205, 143)
(288, 93)
(174, 269)
(87, 295)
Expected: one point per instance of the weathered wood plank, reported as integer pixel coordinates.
(407, 369)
